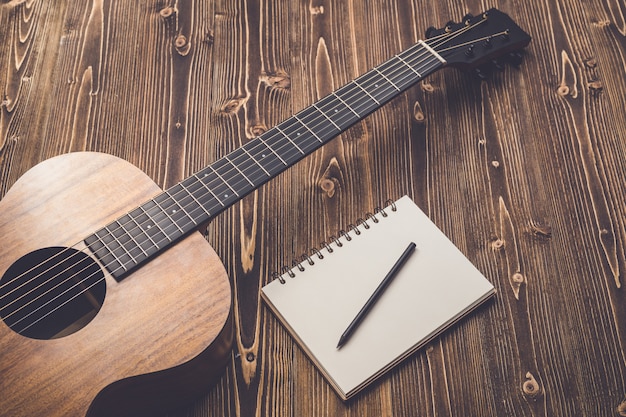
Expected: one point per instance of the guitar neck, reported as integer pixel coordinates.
(135, 237)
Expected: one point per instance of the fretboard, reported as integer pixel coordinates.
(150, 228)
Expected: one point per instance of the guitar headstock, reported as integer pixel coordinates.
(489, 39)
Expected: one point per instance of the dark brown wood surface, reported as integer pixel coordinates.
(524, 172)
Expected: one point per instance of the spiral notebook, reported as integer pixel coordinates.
(436, 287)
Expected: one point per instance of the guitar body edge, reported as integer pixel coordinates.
(163, 333)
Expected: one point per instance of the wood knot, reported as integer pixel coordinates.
(541, 231)
(495, 164)
(497, 244)
(591, 63)
(182, 45)
(279, 80)
(518, 278)
(257, 130)
(418, 114)
(233, 105)
(166, 12)
(563, 90)
(531, 387)
(315, 10)
(621, 409)
(427, 87)
(328, 186)
(595, 86)
(209, 37)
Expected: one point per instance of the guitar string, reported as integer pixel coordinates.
(209, 185)
(121, 265)
(359, 117)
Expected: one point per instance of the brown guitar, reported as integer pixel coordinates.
(111, 304)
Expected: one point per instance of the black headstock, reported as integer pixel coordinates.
(489, 39)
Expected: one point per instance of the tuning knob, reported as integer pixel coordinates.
(516, 58)
(497, 65)
(467, 17)
(480, 74)
(470, 51)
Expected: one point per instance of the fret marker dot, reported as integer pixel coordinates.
(336, 110)
(376, 85)
(149, 226)
(225, 195)
(262, 155)
(173, 211)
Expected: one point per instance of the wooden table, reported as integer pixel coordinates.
(524, 172)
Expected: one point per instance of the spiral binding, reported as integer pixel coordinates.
(297, 263)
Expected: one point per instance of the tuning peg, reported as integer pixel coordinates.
(515, 58)
(470, 51)
(478, 72)
(430, 32)
(449, 25)
(497, 65)
(487, 43)
(468, 17)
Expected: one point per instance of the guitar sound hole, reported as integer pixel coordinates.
(51, 293)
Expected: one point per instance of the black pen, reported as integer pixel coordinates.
(374, 297)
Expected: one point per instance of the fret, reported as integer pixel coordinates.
(159, 219)
(243, 148)
(126, 239)
(121, 255)
(170, 208)
(226, 195)
(196, 190)
(295, 116)
(187, 205)
(328, 118)
(198, 204)
(289, 139)
(201, 180)
(272, 150)
(409, 66)
(138, 232)
(239, 170)
(355, 82)
(387, 79)
(268, 159)
(102, 252)
(340, 115)
(112, 255)
(377, 86)
(347, 105)
(310, 117)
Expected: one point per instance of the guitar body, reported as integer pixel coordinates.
(162, 334)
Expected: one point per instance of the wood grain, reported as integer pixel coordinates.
(524, 173)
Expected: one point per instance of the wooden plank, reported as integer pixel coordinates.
(523, 172)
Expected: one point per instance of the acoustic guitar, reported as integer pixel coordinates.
(111, 303)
